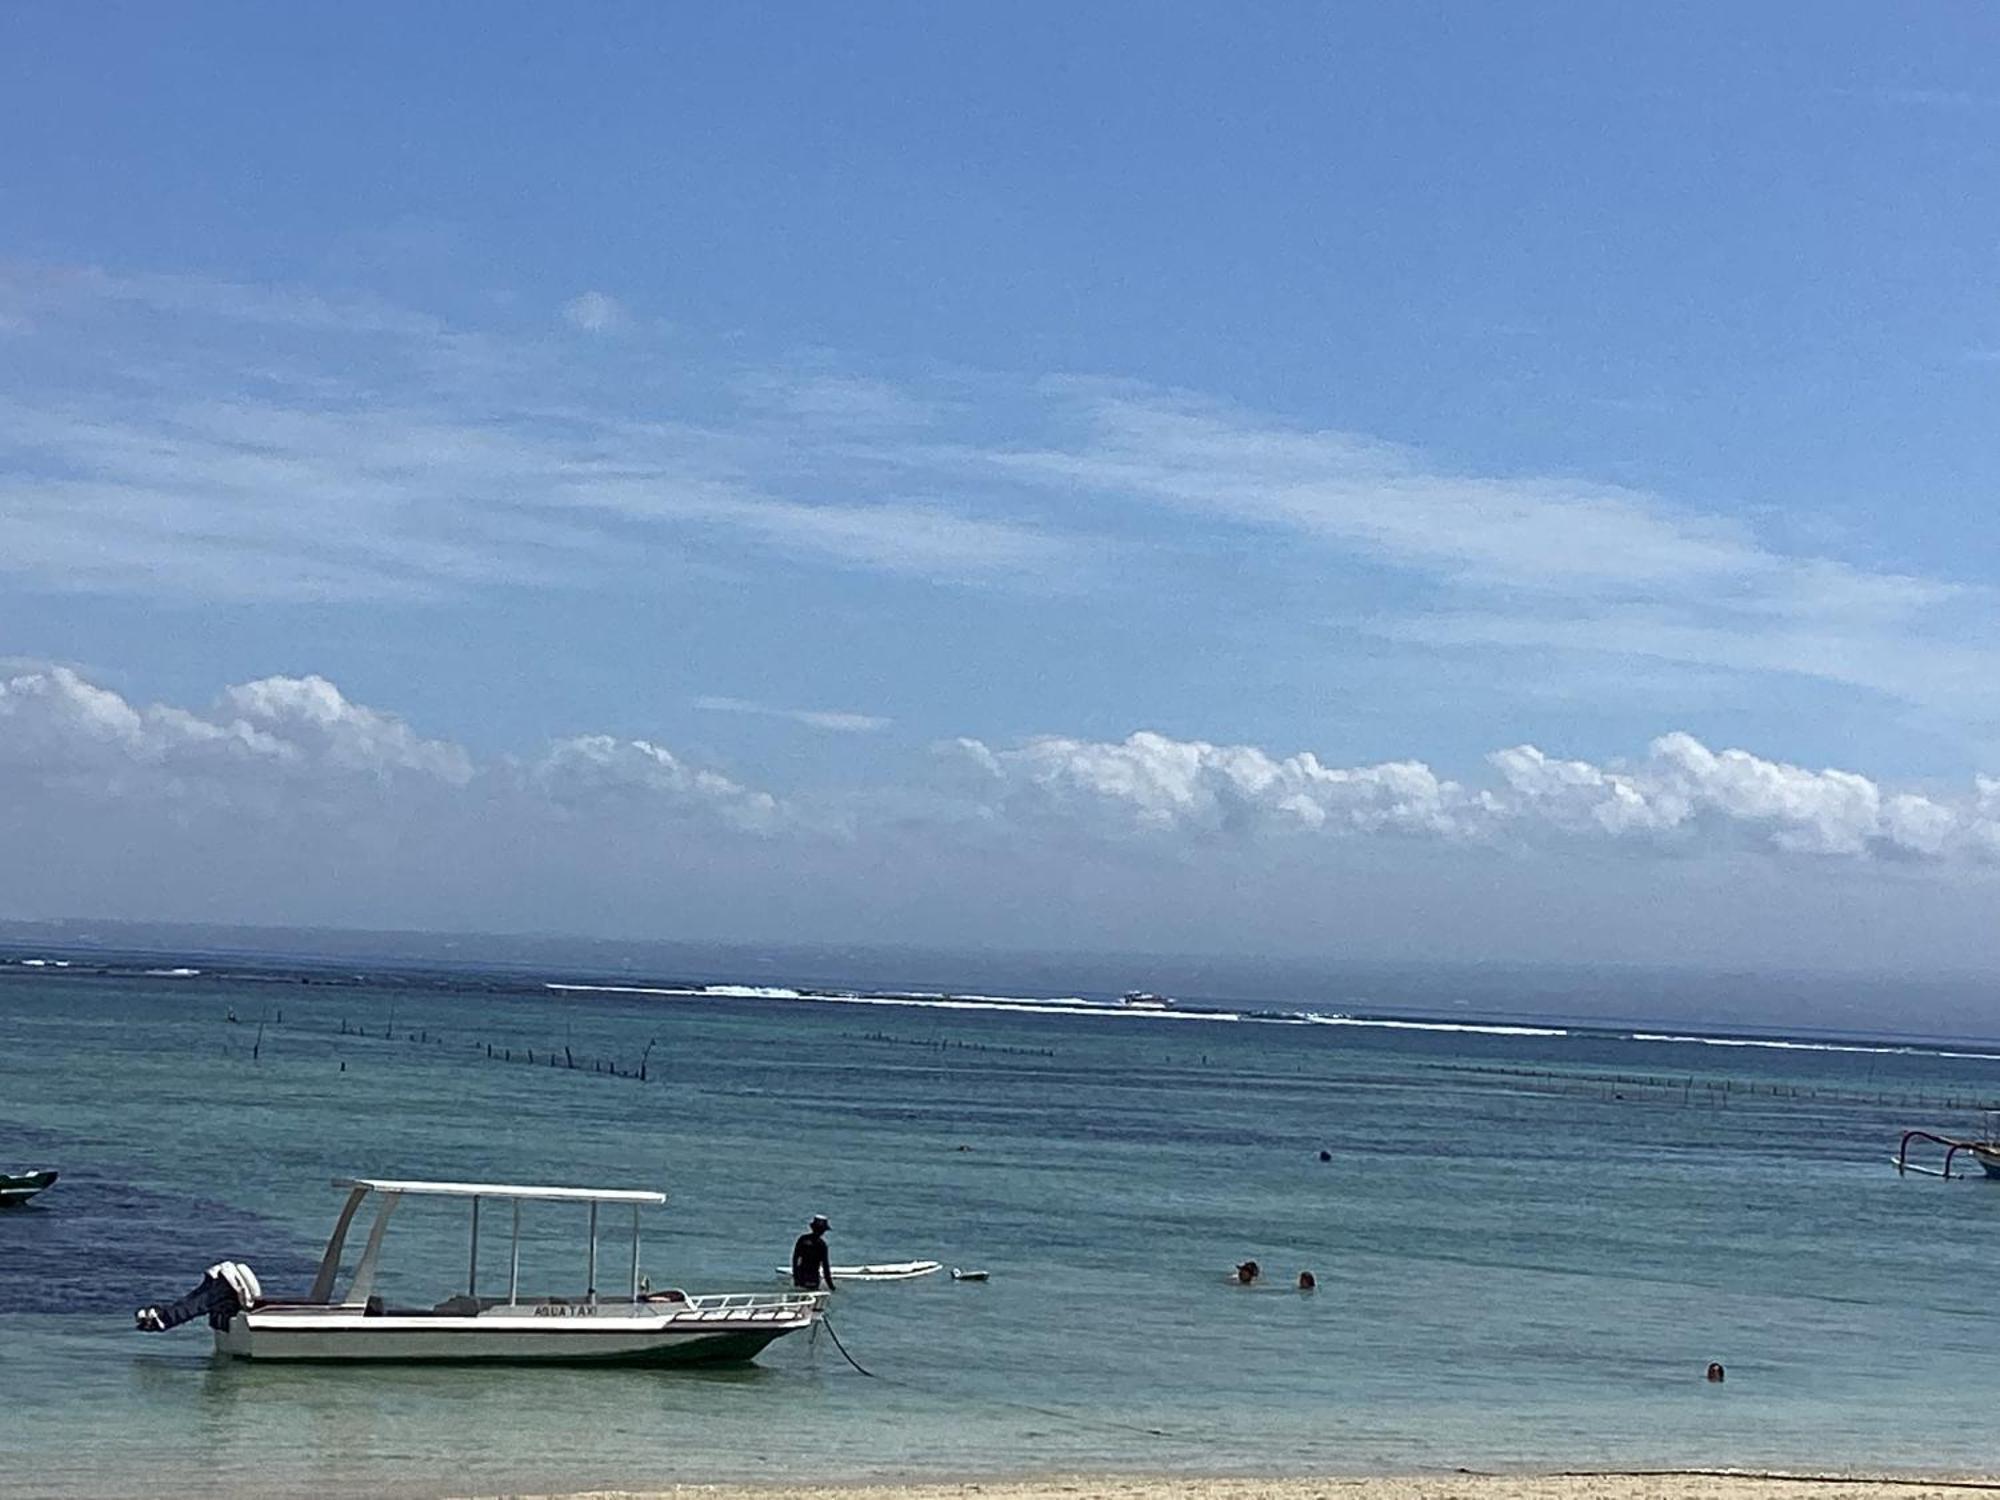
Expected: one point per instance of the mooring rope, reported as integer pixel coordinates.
(827, 1323)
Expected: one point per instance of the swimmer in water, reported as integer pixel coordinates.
(1247, 1272)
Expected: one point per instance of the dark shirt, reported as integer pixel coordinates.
(810, 1263)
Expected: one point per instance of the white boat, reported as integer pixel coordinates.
(896, 1270)
(1144, 1000)
(633, 1327)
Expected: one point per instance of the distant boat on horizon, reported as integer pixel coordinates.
(1145, 1000)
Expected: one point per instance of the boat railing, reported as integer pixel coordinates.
(718, 1306)
(1952, 1148)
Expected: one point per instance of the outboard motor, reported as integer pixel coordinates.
(228, 1287)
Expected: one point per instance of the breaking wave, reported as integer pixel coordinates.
(1776, 1045)
(1071, 1006)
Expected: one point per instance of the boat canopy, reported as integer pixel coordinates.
(393, 1190)
(499, 1190)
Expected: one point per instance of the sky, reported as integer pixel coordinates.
(1505, 482)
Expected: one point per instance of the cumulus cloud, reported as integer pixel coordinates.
(311, 717)
(284, 800)
(292, 750)
(1680, 795)
(597, 770)
(595, 312)
(282, 743)
(1165, 785)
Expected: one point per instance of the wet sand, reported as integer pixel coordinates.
(1676, 1485)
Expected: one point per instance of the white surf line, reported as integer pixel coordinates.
(936, 1002)
(1482, 1029)
(1905, 1050)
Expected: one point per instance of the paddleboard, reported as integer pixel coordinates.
(901, 1270)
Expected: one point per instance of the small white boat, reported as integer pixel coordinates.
(1144, 1000)
(633, 1327)
(898, 1270)
(958, 1275)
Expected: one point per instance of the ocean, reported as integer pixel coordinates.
(1531, 1235)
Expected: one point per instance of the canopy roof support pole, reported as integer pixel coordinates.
(472, 1270)
(329, 1264)
(590, 1281)
(371, 1257)
(514, 1260)
(635, 1252)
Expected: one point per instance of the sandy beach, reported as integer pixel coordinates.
(1676, 1485)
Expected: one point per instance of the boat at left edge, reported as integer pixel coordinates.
(635, 1326)
(19, 1187)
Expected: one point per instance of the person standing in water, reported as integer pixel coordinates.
(811, 1265)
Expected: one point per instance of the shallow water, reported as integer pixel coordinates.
(1528, 1245)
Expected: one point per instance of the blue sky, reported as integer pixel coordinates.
(890, 414)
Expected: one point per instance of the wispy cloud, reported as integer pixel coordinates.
(438, 462)
(832, 720)
(436, 469)
(595, 312)
(1515, 560)
(196, 297)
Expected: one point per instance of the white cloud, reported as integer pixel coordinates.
(280, 744)
(1498, 561)
(256, 499)
(285, 801)
(287, 748)
(836, 721)
(1187, 786)
(595, 312)
(1358, 492)
(310, 714)
(1681, 796)
(598, 771)
(441, 465)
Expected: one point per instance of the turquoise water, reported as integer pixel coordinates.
(1528, 1246)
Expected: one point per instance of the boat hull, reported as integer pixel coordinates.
(322, 1338)
(20, 1187)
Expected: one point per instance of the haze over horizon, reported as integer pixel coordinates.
(1502, 485)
